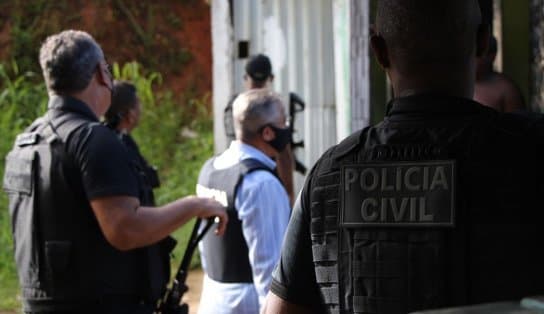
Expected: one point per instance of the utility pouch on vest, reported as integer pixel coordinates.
(57, 259)
(19, 182)
(42, 262)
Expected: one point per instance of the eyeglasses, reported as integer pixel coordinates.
(109, 71)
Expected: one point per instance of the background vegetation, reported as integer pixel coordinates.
(175, 134)
(167, 37)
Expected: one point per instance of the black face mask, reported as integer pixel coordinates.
(283, 137)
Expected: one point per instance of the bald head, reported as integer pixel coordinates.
(420, 33)
(254, 109)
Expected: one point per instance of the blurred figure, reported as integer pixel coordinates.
(495, 89)
(123, 116)
(238, 266)
(259, 75)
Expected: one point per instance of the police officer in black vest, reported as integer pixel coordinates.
(438, 205)
(82, 237)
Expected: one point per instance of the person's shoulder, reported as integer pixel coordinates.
(514, 137)
(328, 160)
(93, 131)
(261, 177)
(520, 123)
(93, 137)
(503, 79)
(526, 123)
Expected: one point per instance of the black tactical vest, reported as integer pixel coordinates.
(439, 205)
(62, 257)
(158, 255)
(228, 259)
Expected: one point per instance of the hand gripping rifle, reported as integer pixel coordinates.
(296, 105)
(170, 302)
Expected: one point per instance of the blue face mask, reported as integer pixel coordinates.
(283, 137)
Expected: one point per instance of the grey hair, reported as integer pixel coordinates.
(253, 110)
(68, 60)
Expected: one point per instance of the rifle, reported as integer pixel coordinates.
(170, 303)
(296, 105)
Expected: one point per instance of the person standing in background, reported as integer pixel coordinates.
(259, 75)
(495, 89)
(123, 116)
(238, 266)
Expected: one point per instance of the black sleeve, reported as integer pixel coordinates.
(103, 162)
(294, 278)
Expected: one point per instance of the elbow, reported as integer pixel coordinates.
(121, 245)
(120, 238)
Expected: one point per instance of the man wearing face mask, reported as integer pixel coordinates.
(238, 266)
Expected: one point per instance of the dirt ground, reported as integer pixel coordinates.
(192, 297)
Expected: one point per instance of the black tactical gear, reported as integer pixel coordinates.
(438, 205)
(147, 174)
(158, 256)
(56, 166)
(230, 262)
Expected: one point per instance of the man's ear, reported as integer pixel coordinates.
(102, 77)
(482, 39)
(379, 47)
(268, 134)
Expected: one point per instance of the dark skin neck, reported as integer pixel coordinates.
(438, 77)
(439, 80)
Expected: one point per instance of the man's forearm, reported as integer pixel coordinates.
(276, 305)
(285, 165)
(126, 225)
(152, 224)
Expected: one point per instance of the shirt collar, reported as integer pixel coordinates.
(433, 104)
(247, 151)
(68, 103)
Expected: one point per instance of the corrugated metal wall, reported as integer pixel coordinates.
(298, 37)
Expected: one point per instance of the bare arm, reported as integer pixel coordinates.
(513, 100)
(126, 225)
(277, 305)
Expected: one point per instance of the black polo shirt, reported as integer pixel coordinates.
(101, 158)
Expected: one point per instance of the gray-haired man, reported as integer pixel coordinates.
(239, 265)
(82, 239)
